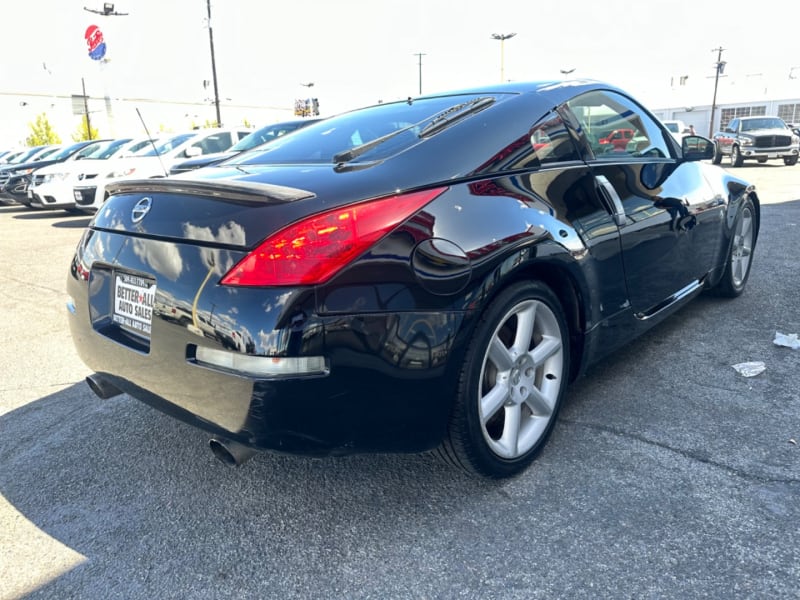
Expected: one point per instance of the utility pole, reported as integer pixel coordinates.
(420, 55)
(720, 67)
(213, 64)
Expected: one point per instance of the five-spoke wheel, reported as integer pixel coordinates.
(511, 384)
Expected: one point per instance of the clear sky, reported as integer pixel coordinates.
(359, 52)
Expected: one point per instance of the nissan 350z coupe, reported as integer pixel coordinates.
(420, 275)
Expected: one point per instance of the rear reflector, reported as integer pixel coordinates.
(313, 250)
(261, 366)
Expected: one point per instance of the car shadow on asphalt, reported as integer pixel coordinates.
(61, 219)
(93, 474)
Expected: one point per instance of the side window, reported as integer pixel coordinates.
(600, 113)
(548, 141)
(218, 142)
(551, 141)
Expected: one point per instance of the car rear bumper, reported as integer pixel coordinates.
(383, 388)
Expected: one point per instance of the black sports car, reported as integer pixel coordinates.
(424, 274)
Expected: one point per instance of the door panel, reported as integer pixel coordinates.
(667, 214)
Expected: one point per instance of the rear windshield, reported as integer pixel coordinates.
(393, 127)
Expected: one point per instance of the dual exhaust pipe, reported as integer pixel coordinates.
(229, 452)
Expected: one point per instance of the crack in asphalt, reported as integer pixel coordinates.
(690, 455)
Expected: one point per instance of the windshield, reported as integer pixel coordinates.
(765, 123)
(105, 150)
(673, 127)
(66, 152)
(165, 145)
(37, 151)
(393, 127)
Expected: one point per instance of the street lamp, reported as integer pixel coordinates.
(502, 37)
(108, 10)
(420, 55)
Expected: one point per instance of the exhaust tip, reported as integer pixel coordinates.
(231, 453)
(102, 388)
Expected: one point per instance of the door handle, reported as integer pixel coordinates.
(610, 194)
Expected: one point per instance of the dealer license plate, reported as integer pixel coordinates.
(134, 298)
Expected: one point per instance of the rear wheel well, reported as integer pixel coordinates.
(564, 287)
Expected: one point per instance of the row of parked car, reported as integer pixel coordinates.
(74, 177)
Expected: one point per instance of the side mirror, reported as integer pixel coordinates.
(696, 147)
(192, 151)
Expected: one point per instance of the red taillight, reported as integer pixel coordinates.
(311, 251)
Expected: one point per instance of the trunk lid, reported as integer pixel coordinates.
(229, 214)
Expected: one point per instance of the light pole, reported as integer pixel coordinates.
(502, 37)
(420, 55)
(213, 64)
(720, 67)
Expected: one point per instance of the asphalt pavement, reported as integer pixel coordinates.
(669, 474)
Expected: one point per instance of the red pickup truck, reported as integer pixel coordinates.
(618, 138)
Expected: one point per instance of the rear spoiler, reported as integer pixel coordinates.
(235, 191)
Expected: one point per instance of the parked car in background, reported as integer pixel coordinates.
(29, 154)
(415, 275)
(756, 138)
(15, 179)
(52, 186)
(250, 141)
(678, 129)
(154, 161)
(7, 153)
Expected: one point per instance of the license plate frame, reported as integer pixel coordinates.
(133, 302)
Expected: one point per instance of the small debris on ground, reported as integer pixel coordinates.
(750, 369)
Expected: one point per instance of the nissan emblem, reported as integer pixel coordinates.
(141, 208)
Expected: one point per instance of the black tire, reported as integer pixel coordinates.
(736, 157)
(789, 160)
(511, 384)
(717, 155)
(761, 161)
(740, 255)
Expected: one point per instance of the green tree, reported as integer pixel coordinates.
(82, 132)
(42, 132)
